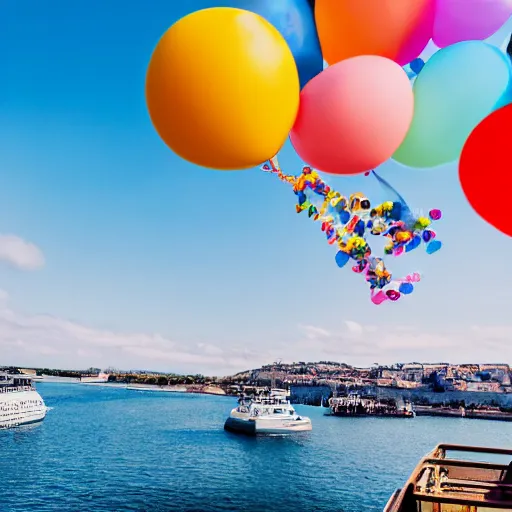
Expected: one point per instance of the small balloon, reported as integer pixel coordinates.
(465, 20)
(417, 65)
(406, 288)
(435, 214)
(458, 87)
(353, 115)
(379, 297)
(413, 244)
(414, 278)
(427, 235)
(434, 246)
(342, 258)
(393, 295)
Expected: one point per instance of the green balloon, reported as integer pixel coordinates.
(458, 87)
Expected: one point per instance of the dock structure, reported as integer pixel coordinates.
(354, 404)
(458, 479)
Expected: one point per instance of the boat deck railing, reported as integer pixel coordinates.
(264, 400)
(441, 483)
(15, 389)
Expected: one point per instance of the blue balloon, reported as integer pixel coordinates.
(427, 236)
(417, 65)
(416, 240)
(434, 246)
(296, 22)
(406, 288)
(341, 258)
(359, 228)
(344, 216)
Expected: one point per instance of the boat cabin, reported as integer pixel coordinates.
(455, 478)
(265, 405)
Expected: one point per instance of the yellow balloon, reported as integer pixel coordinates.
(222, 89)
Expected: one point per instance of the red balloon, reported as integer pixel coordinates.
(485, 169)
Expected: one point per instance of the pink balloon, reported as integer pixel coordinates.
(467, 20)
(379, 297)
(354, 115)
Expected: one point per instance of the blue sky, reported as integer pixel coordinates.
(142, 260)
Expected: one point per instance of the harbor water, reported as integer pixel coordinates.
(111, 449)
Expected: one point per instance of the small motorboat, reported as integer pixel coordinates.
(270, 413)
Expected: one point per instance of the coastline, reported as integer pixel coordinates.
(182, 388)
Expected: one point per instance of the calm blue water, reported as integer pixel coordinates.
(103, 449)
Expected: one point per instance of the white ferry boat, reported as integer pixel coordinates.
(101, 378)
(20, 403)
(270, 413)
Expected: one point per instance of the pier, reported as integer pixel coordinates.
(484, 413)
(356, 405)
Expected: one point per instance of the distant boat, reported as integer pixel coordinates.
(20, 403)
(157, 389)
(271, 414)
(101, 378)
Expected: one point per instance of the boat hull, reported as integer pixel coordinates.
(267, 426)
(21, 408)
(241, 426)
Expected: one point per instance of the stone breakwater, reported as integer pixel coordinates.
(312, 395)
(446, 412)
(185, 388)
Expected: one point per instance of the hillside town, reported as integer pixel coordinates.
(493, 378)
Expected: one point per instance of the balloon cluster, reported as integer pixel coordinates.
(348, 221)
(231, 101)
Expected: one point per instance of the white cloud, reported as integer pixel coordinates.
(19, 253)
(313, 332)
(46, 341)
(354, 328)
(362, 345)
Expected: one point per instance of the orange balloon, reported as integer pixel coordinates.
(222, 88)
(396, 29)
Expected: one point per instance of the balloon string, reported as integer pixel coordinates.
(347, 222)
